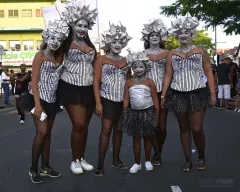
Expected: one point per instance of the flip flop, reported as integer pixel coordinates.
(120, 166)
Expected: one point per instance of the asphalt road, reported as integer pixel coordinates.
(223, 156)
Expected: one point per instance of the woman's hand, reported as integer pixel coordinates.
(213, 100)
(99, 109)
(38, 111)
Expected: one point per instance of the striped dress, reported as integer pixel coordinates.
(156, 70)
(78, 68)
(187, 72)
(48, 81)
(112, 82)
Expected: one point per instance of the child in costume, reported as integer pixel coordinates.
(141, 108)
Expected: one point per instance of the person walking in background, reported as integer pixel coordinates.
(12, 83)
(224, 80)
(5, 85)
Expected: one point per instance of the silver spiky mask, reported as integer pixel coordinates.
(57, 28)
(136, 56)
(74, 12)
(187, 23)
(156, 26)
(115, 32)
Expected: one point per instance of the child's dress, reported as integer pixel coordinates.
(140, 119)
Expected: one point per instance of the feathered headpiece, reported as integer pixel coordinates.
(74, 12)
(136, 56)
(116, 32)
(155, 26)
(57, 28)
(188, 23)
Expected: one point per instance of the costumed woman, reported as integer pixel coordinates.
(188, 95)
(141, 109)
(75, 89)
(110, 74)
(154, 36)
(42, 99)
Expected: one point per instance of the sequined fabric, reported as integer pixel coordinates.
(139, 122)
(188, 101)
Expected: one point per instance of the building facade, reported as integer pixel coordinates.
(21, 23)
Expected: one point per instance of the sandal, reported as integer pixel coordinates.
(201, 165)
(187, 167)
(120, 166)
(99, 173)
(155, 160)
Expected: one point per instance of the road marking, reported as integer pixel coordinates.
(176, 189)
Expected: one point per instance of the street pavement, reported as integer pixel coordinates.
(222, 152)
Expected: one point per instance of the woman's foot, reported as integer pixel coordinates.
(48, 171)
(135, 168)
(156, 161)
(76, 167)
(187, 166)
(85, 165)
(119, 165)
(99, 173)
(35, 176)
(201, 165)
(149, 166)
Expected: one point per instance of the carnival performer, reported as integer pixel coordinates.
(154, 36)
(188, 96)
(41, 99)
(110, 73)
(140, 119)
(75, 89)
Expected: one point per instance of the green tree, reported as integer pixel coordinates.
(213, 12)
(201, 40)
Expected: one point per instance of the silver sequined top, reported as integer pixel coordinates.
(140, 97)
(113, 80)
(48, 81)
(78, 68)
(187, 73)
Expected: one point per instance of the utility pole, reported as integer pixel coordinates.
(99, 39)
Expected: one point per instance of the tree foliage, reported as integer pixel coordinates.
(213, 12)
(201, 40)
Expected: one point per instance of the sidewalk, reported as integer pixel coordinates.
(11, 100)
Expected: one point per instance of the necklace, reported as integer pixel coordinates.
(186, 50)
(79, 42)
(155, 50)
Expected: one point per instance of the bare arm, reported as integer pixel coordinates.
(154, 94)
(208, 72)
(168, 75)
(126, 95)
(24, 78)
(35, 76)
(97, 72)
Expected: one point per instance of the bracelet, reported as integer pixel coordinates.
(162, 96)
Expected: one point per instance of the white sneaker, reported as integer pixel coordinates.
(135, 168)
(149, 166)
(236, 110)
(85, 165)
(76, 167)
(22, 122)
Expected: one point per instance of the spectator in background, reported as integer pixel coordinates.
(12, 82)
(5, 86)
(213, 66)
(234, 74)
(236, 59)
(224, 81)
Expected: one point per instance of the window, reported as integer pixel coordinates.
(38, 13)
(15, 45)
(12, 13)
(1, 13)
(4, 44)
(39, 44)
(26, 13)
(28, 45)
